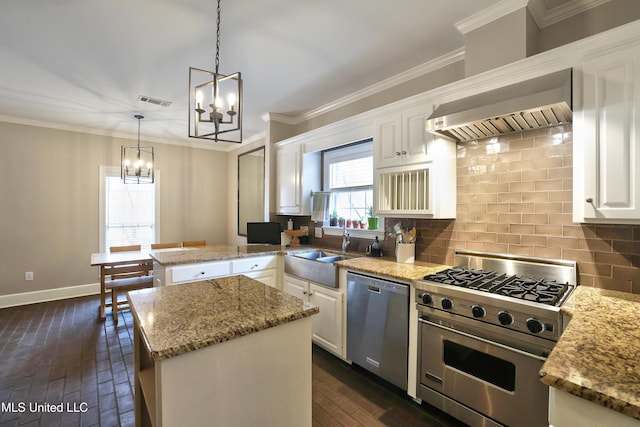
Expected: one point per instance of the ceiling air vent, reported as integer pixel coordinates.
(154, 101)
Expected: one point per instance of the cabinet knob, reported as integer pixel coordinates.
(404, 152)
(398, 153)
(589, 200)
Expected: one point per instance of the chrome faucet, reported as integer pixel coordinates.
(345, 239)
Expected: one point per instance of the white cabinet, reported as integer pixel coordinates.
(328, 324)
(297, 174)
(198, 271)
(606, 138)
(426, 189)
(263, 269)
(401, 138)
(567, 410)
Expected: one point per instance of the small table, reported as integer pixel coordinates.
(110, 259)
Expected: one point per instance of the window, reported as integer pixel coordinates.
(128, 212)
(348, 174)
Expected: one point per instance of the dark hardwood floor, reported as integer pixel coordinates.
(59, 352)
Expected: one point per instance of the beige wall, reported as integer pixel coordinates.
(49, 202)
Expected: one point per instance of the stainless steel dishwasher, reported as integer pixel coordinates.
(378, 326)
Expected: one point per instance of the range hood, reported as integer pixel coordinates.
(532, 104)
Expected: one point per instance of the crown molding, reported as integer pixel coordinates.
(281, 118)
(405, 76)
(545, 17)
(110, 134)
(489, 15)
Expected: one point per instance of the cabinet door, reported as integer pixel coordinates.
(609, 124)
(327, 325)
(416, 139)
(289, 170)
(296, 287)
(268, 277)
(388, 142)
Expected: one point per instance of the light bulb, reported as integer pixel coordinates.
(232, 100)
(218, 102)
(127, 162)
(198, 99)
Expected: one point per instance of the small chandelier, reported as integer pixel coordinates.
(136, 165)
(222, 94)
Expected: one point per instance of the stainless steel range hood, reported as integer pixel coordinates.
(533, 104)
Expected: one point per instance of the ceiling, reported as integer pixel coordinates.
(81, 64)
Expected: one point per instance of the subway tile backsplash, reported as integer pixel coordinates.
(514, 195)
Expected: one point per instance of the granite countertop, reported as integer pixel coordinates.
(598, 355)
(177, 319)
(212, 253)
(391, 268)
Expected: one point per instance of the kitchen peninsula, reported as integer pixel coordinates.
(227, 351)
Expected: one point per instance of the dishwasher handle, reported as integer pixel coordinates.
(376, 284)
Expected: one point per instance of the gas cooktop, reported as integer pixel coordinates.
(527, 288)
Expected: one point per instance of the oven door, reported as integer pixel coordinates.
(472, 377)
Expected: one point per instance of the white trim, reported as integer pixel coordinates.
(114, 134)
(489, 15)
(49, 295)
(405, 76)
(354, 232)
(545, 17)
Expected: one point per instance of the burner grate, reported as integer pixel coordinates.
(524, 288)
(537, 290)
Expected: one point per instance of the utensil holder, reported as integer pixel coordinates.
(406, 253)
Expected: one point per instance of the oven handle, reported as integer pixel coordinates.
(484, 340)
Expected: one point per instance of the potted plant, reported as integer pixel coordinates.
(333, 219)
(340, 222)
(349, 223)
(372, 220)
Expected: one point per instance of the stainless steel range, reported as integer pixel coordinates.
(485, 328)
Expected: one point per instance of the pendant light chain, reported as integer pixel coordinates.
(218, 40)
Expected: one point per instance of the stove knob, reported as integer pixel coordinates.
(505, 318)
(426, 299)
(534, 325)
(447, 304)
(478, 311)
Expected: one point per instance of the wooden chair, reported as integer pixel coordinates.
(187, 243)
(125, 248)
(126, 277)
(165, 245)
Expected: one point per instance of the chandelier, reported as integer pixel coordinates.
(136, 163)
(215, 101)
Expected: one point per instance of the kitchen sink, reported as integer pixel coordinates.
(315, 266)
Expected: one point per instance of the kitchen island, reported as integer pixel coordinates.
(594, 369)
(227, 351)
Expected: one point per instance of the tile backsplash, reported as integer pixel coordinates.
(514, 195)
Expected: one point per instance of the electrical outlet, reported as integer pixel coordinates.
(319, 232)
(28, 276)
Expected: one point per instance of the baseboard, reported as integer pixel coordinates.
(49, 295)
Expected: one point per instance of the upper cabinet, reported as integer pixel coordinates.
(415, 171)
(297, 175)
(401, 138)
(606, 149)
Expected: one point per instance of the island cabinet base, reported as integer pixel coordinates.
(567, 410)
(261, 379)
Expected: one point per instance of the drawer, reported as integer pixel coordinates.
(201, 271)
(244, 265)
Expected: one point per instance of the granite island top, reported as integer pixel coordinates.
(390, 268)
(177, 319)
(212, 253)
(598, 356)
